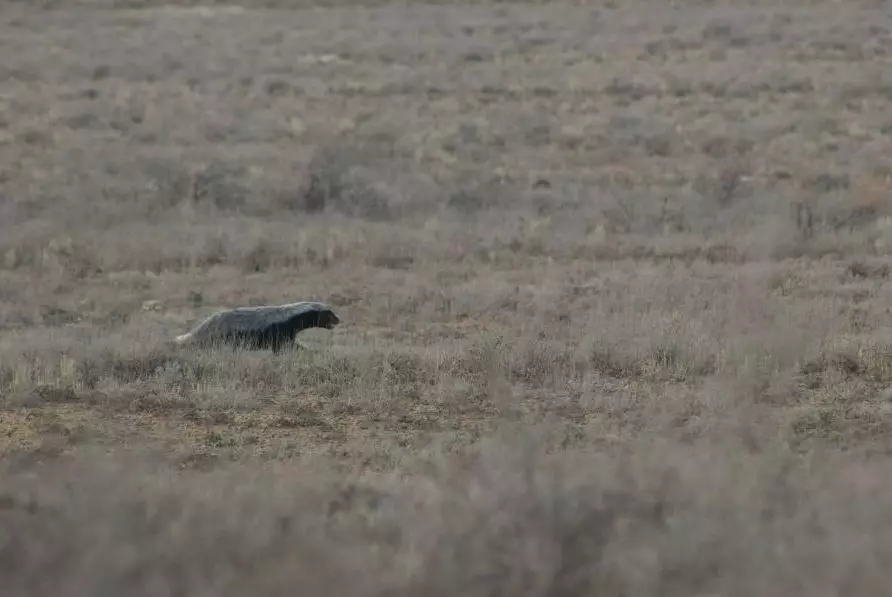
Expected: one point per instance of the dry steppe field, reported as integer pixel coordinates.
(615, 281)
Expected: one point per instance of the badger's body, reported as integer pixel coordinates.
(267, 327)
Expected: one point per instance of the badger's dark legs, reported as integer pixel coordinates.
(275, 338)
(278, 337)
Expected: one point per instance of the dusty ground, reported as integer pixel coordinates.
(614, 282)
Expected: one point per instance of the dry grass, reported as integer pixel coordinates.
(614, 281)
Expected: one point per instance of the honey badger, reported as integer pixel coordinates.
(256, 328)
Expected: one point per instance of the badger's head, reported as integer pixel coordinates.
(327, 319)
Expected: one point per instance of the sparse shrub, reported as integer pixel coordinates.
(852, 217)
(718, 29)
(623, 213)
(827, 182)
(659, 145)
(403, 368)
(392, 256)
(258, 373)
(170, 182)
(218, 183)
(213, 251)
(124, 367)
(726, 185)
(259, 258)
(608, 361)
(72, 256)
(805, 221)
(542, 363)
(465, 201)
(330, 373)
(334, 186)
(722, 147)
(482, 360)
(626, 91)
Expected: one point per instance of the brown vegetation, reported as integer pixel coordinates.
(612, 277)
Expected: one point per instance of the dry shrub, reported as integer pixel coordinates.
(218, 183)
(335, 186)
(502, 519)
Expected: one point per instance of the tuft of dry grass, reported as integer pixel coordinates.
(612, 281)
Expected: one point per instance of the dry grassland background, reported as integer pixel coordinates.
(614, 278)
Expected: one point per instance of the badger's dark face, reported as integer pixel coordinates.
(328, 320)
